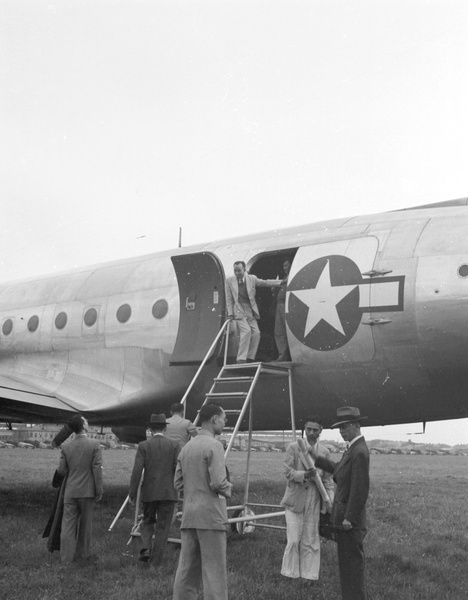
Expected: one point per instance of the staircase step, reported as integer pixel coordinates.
(227, 395)
(242, 366)
(231, 379)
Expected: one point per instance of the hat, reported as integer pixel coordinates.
(157, 419)
(347, 414)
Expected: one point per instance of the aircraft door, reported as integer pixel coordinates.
(327, 294)
(200, 278)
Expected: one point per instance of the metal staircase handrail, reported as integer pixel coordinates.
(207, 355)
(206, 396)
(247, 401)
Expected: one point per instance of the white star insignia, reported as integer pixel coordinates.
(322, 300)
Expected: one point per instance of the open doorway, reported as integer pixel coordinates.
(268, 266)
(200, 277)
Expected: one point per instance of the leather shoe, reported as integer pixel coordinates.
(144, 555)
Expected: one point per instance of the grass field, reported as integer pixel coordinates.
(417, 545)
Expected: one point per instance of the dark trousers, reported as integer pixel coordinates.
(351, 563)
(156, 515)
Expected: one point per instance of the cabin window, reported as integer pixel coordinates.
(160, 308)
(61, 320)
(33, 323)
(7, 327)
(463, 271)
(90, 317)
(124, 313)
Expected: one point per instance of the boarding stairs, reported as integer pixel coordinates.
(233, 389)
(234, 385)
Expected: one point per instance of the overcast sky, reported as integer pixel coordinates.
(122, 121)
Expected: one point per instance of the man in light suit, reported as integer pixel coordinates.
(243, 309)
(81, 462)
(302, 502)
(157, 457)
(351, 476)
(178, 428)
(201, 475)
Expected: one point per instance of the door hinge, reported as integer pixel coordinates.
(376, 321)
(375, 273)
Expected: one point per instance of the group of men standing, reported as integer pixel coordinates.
(166, 467)
(303, 503)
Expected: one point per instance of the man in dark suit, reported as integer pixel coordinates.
(157, 458)
(81, 462)
(351, 476)
(281, 335)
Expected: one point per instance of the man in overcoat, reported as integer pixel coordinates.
(351, 476)
(157, 458)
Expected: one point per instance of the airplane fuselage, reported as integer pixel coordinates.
(375, 310)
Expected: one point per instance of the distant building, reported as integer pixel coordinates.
(44, 434)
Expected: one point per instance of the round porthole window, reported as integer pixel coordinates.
(463, 271)
(61, 320)
(160, 308)
(33, 323)
(7, 327)
(90, 317)
(124, 313)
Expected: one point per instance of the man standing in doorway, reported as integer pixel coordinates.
(243, 309)
(157, 457)
(201, 475)
(351, 476)
(81, 462)
(281, 338)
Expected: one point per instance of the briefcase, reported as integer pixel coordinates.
(326, 529)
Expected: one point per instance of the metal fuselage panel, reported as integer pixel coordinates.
(375, 312)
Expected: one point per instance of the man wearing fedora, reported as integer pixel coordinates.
(156, 459)
(351, 476)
